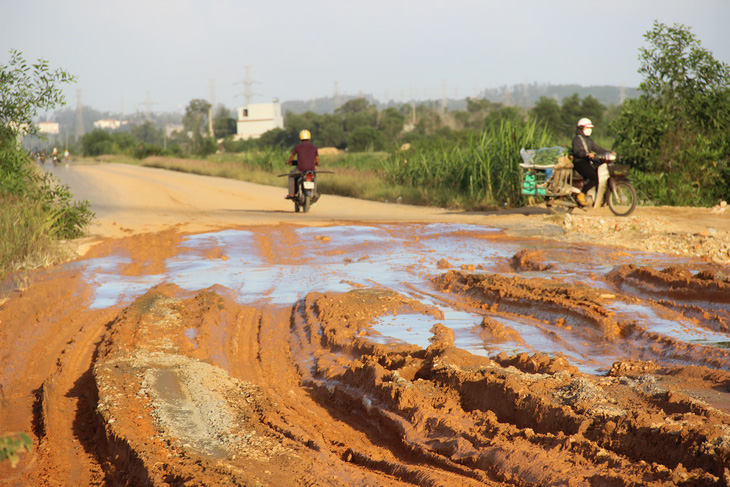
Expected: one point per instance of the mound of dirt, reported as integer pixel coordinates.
(173, 412)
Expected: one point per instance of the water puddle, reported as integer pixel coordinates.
(403, 258)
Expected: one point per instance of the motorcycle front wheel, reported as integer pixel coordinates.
(621, 197)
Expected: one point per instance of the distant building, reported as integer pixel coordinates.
(257, 118)
(108, 124)
(170, 129)
(51, 128)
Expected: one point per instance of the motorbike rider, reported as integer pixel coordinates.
(584, 150)
(307, 158)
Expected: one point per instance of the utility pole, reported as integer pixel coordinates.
(413, 106)
(337, 95)
(210, 109)
(79, 116)
(443, 96)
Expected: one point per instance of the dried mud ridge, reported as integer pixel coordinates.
(196, 389)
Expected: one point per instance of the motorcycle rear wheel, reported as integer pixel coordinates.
(621, 197)
(307, 202)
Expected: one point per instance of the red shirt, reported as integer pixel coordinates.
(306, 155)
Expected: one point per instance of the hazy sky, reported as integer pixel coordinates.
(174, 51)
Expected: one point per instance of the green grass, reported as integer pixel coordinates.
(27, 241)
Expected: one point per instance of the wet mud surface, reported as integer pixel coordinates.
(377, 354)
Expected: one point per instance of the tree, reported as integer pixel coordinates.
(331, 132)
(195, 122)
(570, 112)
(147, 133)
(358, 113)
(24, 90)
(223, 123)
(97, 143)
(352, 107)
(546, 112)
(503, 114)
(295, 123)
(391, 124)
(679, 128)
(365, 138)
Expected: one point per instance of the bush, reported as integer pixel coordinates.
(365, 138)
(11, 445)
(35, 209)
(147, 150)
(97, 143)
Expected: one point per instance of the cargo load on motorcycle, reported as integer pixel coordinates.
(548, 173)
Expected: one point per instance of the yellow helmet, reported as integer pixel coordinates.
(305, 135)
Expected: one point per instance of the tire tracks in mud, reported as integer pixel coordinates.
(193, 387)
(54, 373)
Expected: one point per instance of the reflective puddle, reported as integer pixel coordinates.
(293, 262)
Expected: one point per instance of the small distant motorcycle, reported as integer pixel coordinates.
(306, 193)
(559, 184)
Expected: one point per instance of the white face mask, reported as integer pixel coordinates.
(587, 131)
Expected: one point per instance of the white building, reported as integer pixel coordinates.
(108, 124)
(257, 118)
(51, 128)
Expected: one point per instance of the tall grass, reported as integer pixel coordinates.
(474, 172)
(483, 172)
(27, 236)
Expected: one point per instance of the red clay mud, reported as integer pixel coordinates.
(183, 384)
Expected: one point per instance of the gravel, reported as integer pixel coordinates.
(651, 235)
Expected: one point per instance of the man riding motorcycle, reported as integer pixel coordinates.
(584, 150)
(307, 157)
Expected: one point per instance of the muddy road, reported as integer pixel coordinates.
(207, 335)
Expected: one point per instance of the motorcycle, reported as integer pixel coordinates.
(560, 184)
(306, 193)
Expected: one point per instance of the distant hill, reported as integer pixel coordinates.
(524, 95)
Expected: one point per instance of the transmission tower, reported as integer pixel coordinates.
(247, 82)
(148, 106)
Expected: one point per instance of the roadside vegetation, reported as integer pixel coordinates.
(35, 211)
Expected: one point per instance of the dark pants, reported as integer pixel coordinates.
(589, 173)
